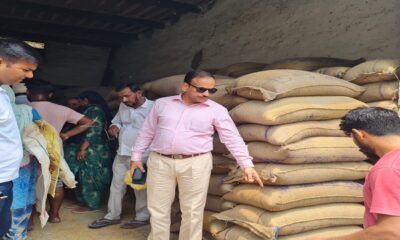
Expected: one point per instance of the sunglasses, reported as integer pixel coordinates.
(203, 90)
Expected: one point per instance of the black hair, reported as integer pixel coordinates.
(39, 86)
(373, 120)
(196, 73)
(95, 98)
(13, 50)
(132, 86)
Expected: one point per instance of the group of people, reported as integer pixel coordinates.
(172, 136)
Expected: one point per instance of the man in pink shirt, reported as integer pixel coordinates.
(179, 131)
(376, 131)
(39, 92)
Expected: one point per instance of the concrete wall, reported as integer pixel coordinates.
(73, 65)
(264, 31)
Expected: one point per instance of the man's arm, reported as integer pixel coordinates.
(229, 135)
(144, 139)
(116, 124)
(82, 125)
(388, 228)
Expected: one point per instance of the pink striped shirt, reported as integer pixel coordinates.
(172, 127)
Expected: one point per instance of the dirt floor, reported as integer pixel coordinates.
(74, 226)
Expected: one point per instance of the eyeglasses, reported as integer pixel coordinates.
(203, 90)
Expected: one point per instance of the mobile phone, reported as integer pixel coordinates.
(138, 176)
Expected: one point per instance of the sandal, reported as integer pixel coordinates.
(103, 223)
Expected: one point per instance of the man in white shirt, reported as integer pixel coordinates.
(126, 124)
(17, 62)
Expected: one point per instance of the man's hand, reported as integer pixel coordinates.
(250, 175)
(113, 131)
(64, 136)
(81, 155)
(136, 164)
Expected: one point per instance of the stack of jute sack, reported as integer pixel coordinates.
(310, 168)
(380, 79)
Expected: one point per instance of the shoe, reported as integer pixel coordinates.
(134, 224)
(103, 223)
(54, 220)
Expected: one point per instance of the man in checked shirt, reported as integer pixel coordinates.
(179, 132)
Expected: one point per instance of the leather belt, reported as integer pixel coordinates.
(179, 156)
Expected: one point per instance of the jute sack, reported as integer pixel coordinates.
(218, 146)
(333, 71)
(222, 164)
(385, 104)
(276, 84)
(217, 186)
(294, 109)
(312, 63)
(282, 174)
(323, 149)
(223, 97)
(213, 225)
(288, 197)
(169, 86)
(289, 133)
(217, 204)
(253, 132)
(238, 69)
(240, 233)
(308, 150)
(373, 71)
(380, 91)
(270, 224)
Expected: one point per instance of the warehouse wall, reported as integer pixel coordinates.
(73, 65)
(264, 31)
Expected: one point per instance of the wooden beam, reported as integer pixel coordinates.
(64, 11)
(55, 29)
(46, 38)
(170, 4)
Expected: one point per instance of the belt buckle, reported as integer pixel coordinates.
(177, 156)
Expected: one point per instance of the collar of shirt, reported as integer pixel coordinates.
(179, 98)
(146, 104)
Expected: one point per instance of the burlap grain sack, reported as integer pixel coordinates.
(240, 233)
(270, 224)
(280, 198)
(308, 150)
(276, 84)
(222, 164)
(289, 133)
(253, 132)
(218, 146)
(333, 71)
(217, 204)
(373, 71)
(294, 109)
(169, 86)
(223, 97)
(213, 225)
(282, 174)
(380, 91)
(239, 69)
(217, 186)
(385, 104)
(323, 149)
(312, 63)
